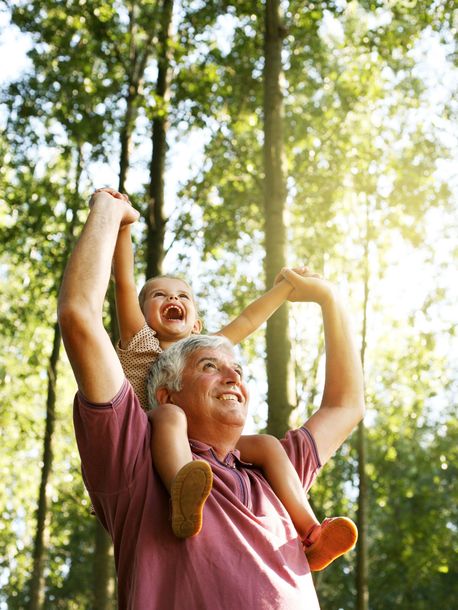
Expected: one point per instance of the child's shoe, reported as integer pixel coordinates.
(190, 489)
(338, 535)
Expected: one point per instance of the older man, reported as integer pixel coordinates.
(247, 554)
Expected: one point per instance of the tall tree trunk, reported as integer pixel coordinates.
(37, 595)
(277, 341)
(37, 579)
(155, 219)
(103, 563)
(137, 62)
(103, 570)
(362, 556)
(126, 134)
(139, 54)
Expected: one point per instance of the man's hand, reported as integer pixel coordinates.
(307, 286)
(281, 277)
(113, 192)
(108, 196)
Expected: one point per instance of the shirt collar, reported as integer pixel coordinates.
(230, 459)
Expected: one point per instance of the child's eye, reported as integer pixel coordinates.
(184, 296)
(158, 293)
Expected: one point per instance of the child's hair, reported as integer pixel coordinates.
(143, 291)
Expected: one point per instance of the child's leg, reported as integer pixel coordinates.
(169, 442)
(188, 481)
(322, 543)
(267, 452)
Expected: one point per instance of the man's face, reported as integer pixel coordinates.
(213, 392)
(170, 309)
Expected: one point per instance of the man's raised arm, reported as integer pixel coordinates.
(342, 405)
(96, 367)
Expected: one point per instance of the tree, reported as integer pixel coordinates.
(155, 220)
(277, 342)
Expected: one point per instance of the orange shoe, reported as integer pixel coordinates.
(338, 535)
(190, 489)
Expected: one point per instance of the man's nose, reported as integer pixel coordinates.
(231, 376)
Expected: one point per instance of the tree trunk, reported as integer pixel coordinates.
(155, 219)
(139, 55)
(362, 556)
(138, 58)
(103, 563)
(126, 135)
(103, 570)
(37, 579)
(277, 340)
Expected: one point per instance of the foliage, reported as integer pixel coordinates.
(365, 145)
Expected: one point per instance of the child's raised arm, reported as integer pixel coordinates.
(130, 315)
(257, 312)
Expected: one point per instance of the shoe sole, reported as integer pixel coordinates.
(337, 537)
(190, 489)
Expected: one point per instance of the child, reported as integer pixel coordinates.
(164, 313)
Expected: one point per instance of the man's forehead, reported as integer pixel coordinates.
(223, 354)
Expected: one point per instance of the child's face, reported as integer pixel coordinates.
(170, 309)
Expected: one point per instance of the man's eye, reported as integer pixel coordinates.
(210, 365)
(239, 371)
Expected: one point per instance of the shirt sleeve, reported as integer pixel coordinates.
(113, 440)
(302, 451)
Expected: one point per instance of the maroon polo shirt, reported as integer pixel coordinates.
(247, 554)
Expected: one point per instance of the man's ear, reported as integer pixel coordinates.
(163, 396)
(197, 328)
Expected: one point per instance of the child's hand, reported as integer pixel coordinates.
(281, 277)
(307, 286)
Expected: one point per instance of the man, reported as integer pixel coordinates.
(247, 554)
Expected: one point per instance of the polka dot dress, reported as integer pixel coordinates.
(136, 359)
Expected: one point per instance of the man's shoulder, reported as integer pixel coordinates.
(301, 448)
(123, 396)
(113, 439)
(124, 410)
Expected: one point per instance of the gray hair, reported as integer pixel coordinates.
(167, 370)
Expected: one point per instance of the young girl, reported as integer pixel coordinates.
(165, 312)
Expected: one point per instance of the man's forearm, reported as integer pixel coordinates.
(88, 271)
(342, 405)
(344, 385)
(91, 354)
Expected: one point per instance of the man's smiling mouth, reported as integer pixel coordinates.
(234, 397)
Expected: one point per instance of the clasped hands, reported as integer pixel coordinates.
(130, 215)
(306, 286)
